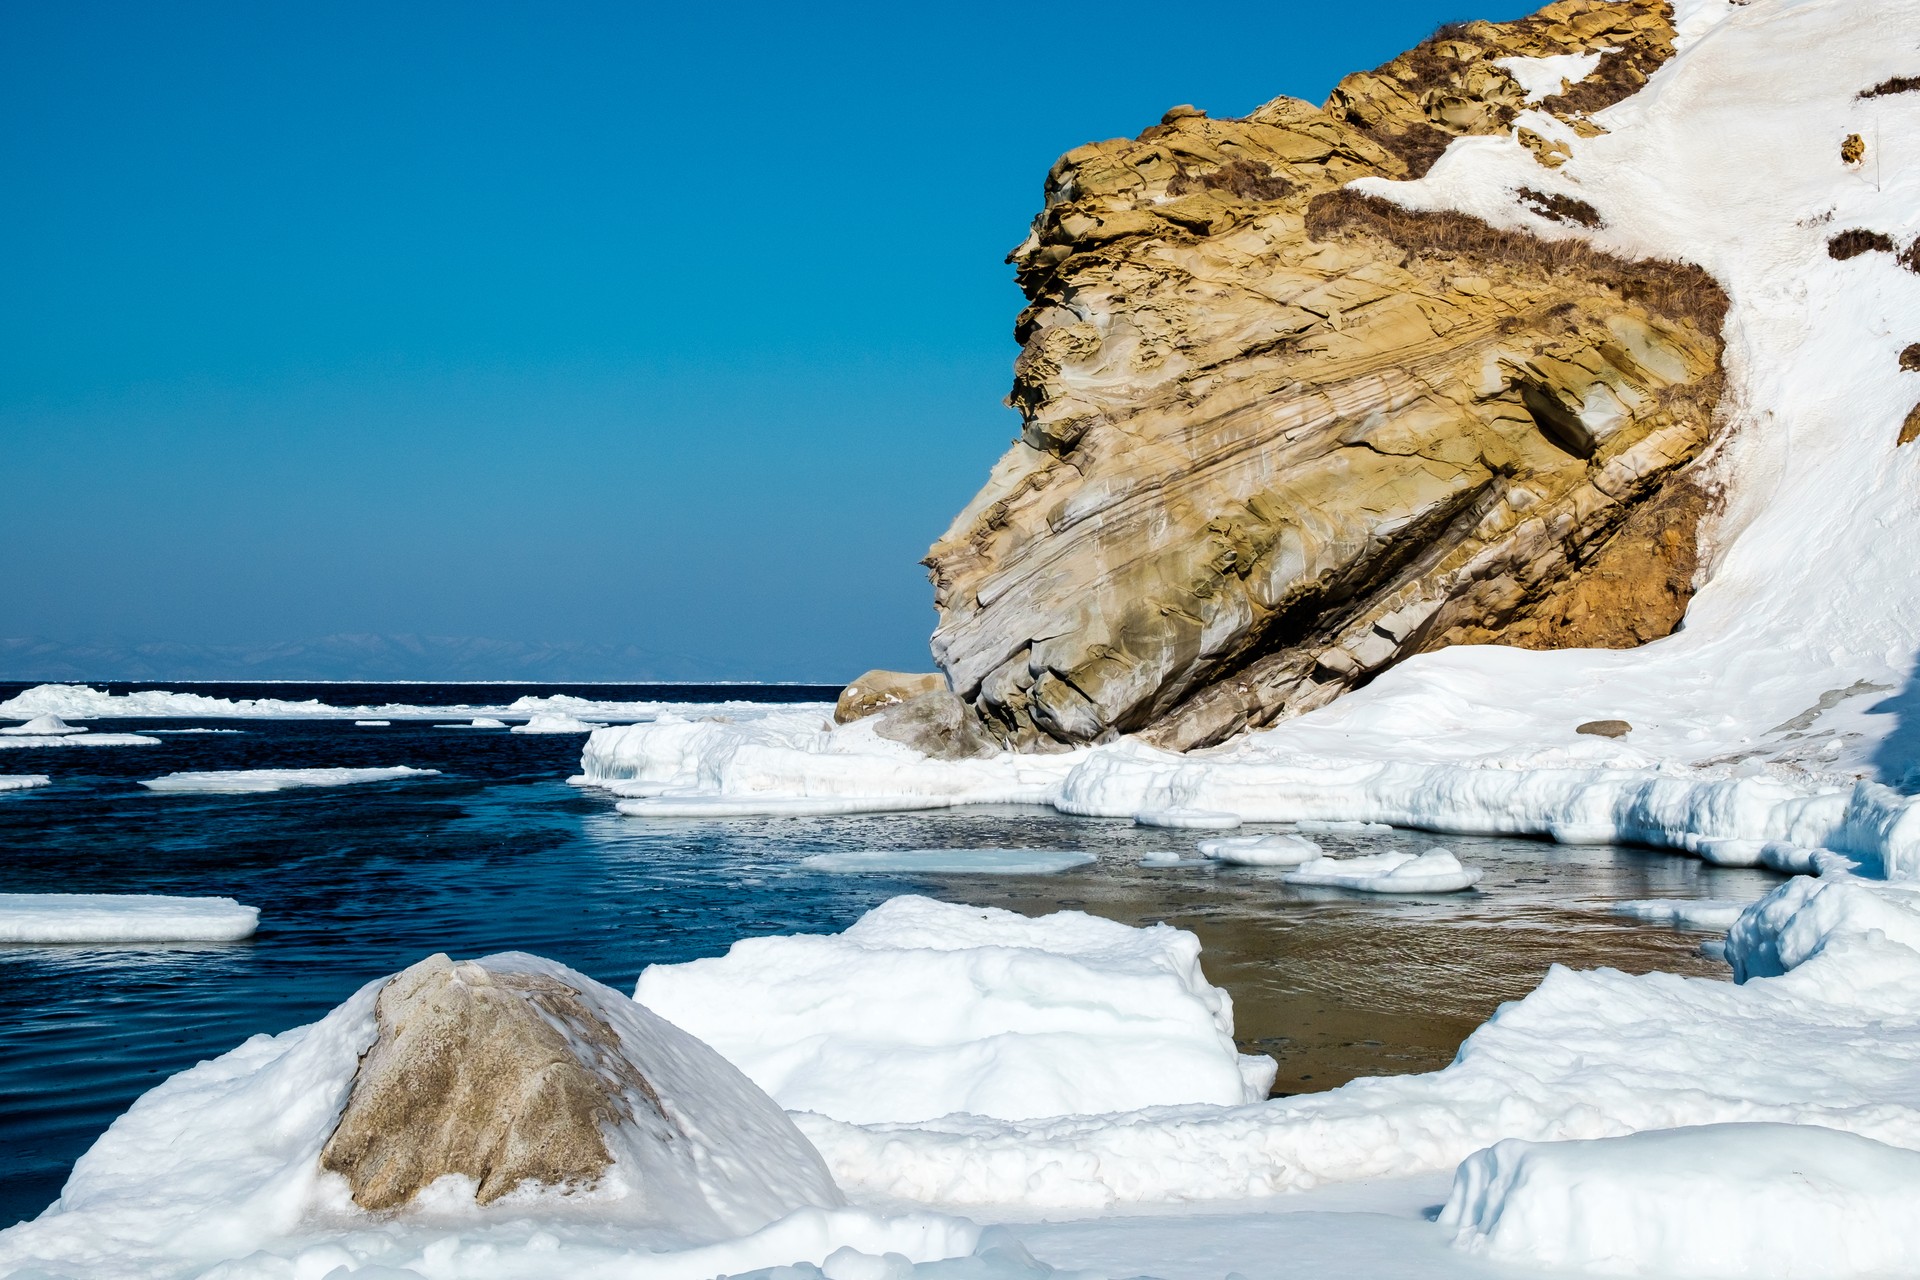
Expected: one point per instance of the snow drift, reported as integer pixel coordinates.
(925, 1008)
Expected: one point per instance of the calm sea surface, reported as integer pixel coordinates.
(499, 853)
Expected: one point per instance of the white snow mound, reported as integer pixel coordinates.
(46, 725)
(122, 917)
(924, 1008)
(1757, 1201)
(1834, 1040)
(239, 780)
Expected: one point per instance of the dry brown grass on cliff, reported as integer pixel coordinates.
(1559, 208)
(1855, 241)
(1887, 88)
(1616, 77)
(1677, 290)
(1252, 180)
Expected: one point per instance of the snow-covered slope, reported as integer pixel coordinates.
(1792, 680)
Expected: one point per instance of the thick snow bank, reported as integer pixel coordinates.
(925, 1008)
(236, 780)
(1736, 1200)
(122, 917)
(1833, 1041)
(787, 756)
(1012, 862)
(220, 1165)
(1435, 871)
(22, 781)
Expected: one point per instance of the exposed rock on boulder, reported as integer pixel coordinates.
(1278, 436)
(1605, 728)
(880, 689)
(516, 1073)
(937, 724)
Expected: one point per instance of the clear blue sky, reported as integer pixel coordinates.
(678, 325)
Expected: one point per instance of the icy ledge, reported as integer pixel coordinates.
(1585, 792)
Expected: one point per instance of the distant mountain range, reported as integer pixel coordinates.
(348, 657)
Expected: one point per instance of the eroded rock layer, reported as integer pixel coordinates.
(1277, 435)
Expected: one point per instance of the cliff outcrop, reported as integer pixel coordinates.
(1278, 435)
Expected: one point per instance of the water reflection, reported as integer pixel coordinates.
(499, 853)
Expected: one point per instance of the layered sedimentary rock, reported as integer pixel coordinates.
(1278, 435)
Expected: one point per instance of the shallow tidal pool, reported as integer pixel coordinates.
(496, 852)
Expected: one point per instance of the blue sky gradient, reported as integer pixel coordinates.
(677, 326)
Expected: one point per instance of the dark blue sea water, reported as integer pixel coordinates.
(498, 852)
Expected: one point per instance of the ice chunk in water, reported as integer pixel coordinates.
(1260, 851)
(236, 780)
(122, 917)
(1435, 871)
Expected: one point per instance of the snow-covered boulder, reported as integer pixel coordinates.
(1747, 1200)
(514, 1071)
(924, 1008)
(509, 1116)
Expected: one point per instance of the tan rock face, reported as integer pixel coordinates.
(472, 1074)
(877, 690)
(516, 1073)
(1278, 436)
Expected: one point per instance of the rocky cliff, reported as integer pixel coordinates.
(1278, 435)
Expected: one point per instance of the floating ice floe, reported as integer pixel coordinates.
(1684, 913)
(372, 724)
(1754, 1201)
(77, 738)
(1435, 871)
(84, 701)
(237, 780)
(193, 731)
(926, 1008)
(122, 917)
(44, 726)
(951, 861)
(1260, 851)
(478, 722)
(557, 722)
(23, 781)
(1199, 819)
